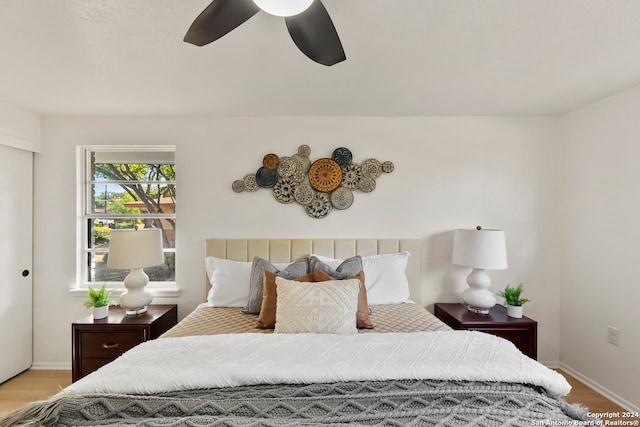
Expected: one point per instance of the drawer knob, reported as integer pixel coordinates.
(111, 345)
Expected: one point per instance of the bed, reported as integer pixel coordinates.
(391, 363)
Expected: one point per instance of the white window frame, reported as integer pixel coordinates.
(83, 197)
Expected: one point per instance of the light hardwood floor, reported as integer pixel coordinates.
(35, 385)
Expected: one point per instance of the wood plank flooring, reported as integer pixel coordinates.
(30, 386)
(35, 385)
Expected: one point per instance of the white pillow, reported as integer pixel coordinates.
(385, 276)
(230, 281)
(321, 308)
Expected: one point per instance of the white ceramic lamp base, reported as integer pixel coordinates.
(136, 299)
(478, 298)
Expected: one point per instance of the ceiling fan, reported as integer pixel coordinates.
(308, 23)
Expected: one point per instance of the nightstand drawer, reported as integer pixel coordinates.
(108, 345)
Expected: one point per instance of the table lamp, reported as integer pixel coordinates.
(135, 249)
(479, 249)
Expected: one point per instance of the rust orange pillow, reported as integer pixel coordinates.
(363, 321)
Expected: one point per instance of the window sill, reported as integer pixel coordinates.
(170, 292)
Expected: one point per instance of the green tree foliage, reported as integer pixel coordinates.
(134, 180)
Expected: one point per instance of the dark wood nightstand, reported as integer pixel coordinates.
(522, 332)
(98, 342)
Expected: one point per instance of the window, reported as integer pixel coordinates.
(126, 187)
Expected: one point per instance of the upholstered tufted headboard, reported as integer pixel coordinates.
(286, 250)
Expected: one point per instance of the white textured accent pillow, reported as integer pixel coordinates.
(385, 276)
(321, 308)
(229, 281)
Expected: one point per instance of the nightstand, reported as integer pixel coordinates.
(521, 332)
(98, 342)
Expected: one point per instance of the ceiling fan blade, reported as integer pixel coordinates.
(219, 18)
(315, 35)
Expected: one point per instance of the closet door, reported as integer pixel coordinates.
(16, 327)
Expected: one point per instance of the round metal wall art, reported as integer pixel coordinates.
(250, 183)
(271, 161)
(318, 186)
(304, 194)
(238, 185)
(342, 156)
(287, 166)
(266, 178)
(325, 175)
(341, 198)
(320, 206)
(351, 176)
(371, 168)
(284, 190)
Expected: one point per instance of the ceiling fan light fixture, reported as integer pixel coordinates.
(283, 7)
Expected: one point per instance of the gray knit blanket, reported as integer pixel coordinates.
(388, 403)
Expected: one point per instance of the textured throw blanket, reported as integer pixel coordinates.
(424, 378)
(399, 403)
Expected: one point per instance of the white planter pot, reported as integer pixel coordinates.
(514, 311)
(100, 312)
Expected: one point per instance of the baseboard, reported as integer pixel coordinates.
(47, 366)
(600, 389)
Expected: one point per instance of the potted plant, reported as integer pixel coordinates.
(512, 299)
(100, 301)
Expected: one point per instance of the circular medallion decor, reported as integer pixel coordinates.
(351, 176)
(387, 167)
(266, 178)
(284, 190)
(325, 175)
(371, 168)
(342, 156)
(319, 207)
(286, 167)
(304, 194)
(341, 198)
(250, 183)
(304, 150)
(368, 184)
(297, 177)
(238, 186)
(303, 163)
(271, 161)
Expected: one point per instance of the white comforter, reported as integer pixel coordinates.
(169, 364)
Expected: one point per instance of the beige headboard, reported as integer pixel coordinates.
(286, 250)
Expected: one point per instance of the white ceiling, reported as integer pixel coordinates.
(404, 58)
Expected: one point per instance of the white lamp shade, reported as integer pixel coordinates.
(484, 249)
(283, 7)
(135, 248)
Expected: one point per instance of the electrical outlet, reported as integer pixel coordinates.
(613, 335)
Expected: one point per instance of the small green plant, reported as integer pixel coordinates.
(512, 295)
(99, 298)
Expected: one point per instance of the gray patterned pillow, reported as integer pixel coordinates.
(349, 267)
(293, 271)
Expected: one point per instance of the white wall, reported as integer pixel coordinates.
(601, 231)
(449, 173)
(19, 128)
